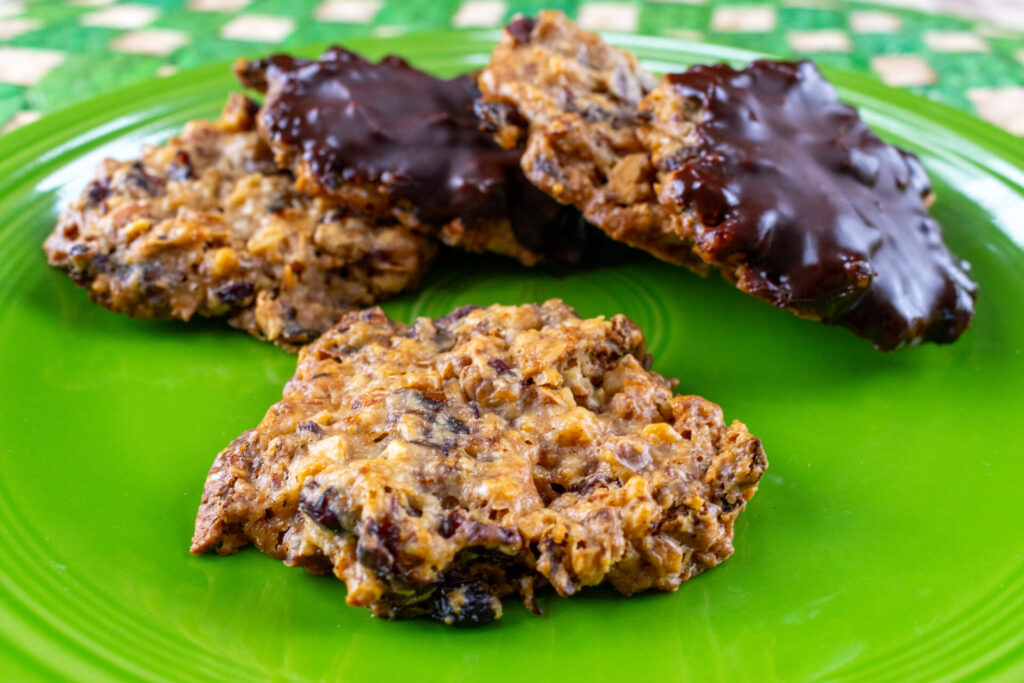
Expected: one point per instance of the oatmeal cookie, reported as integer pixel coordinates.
(787, 191)
(391, 140)
(208, 225)
(568, 100)
(438, 467)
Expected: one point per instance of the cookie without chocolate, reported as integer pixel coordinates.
(439, 467)
(208, 225)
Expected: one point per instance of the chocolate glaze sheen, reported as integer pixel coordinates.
(388, 123)
(830, 220)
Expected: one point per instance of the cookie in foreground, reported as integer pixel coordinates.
(391, 140)
(438, 467)
(207, 225)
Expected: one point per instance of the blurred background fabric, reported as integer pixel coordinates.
(965, 53)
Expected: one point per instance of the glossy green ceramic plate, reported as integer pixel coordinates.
(885, 542)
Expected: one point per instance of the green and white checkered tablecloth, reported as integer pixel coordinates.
(55, 52)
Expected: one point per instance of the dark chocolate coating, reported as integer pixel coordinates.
(828, 219)
(358, 121)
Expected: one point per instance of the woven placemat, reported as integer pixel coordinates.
(55, 52)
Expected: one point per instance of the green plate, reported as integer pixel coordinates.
(885, 542)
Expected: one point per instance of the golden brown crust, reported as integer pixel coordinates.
(207, 225)
(439, 466)
(571, 99)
